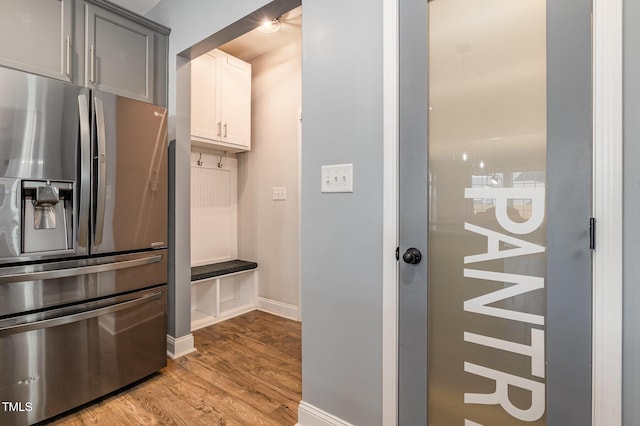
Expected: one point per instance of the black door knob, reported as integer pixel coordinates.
(412, 256)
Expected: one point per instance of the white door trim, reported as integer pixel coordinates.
(391, 63)
(607, 209)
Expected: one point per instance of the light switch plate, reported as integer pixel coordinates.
(337, 178)
(279, 193)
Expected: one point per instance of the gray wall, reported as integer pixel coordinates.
(342, 233)
(631, 226)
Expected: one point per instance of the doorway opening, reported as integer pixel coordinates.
(245, 126)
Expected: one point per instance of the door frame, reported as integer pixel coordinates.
(390, 231)
(607, 209)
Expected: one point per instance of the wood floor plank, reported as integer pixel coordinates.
(265, 391)
(275, 350)
(214, 401)
(214, 378)
(254, 357)
(246, 371)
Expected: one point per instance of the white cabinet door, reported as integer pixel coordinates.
(221, 102)
(119, 55)
(37, 37)
(235, 101)
(205, 122)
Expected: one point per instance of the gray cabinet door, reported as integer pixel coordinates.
(37, 37)
(119, 55)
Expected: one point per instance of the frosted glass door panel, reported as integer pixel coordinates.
(487, 139)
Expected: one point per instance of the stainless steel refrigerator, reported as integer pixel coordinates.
(83, 244)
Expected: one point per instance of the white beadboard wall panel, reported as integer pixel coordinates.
(214, 212)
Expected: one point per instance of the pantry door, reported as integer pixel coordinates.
(495, 205)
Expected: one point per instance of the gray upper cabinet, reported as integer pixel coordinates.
(93, 43)
(36, 36)
(119, 55)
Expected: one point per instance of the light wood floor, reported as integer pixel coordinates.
(247, 371)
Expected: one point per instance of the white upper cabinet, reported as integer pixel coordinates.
(221, 102)
(37, 37)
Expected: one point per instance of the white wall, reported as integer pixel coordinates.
(268, 230)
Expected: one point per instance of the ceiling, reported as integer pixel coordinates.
(255, 43)
(248, 46)
(140, 7)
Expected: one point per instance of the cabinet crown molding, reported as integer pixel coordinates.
(112, 7)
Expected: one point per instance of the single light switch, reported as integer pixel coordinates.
(337, 178)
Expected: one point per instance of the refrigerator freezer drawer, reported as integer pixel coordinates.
(59, 362)
(28, 288)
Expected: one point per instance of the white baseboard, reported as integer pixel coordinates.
(278, 308)
(180, 347)
(308, 415)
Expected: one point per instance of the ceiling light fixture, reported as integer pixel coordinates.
(269, 26)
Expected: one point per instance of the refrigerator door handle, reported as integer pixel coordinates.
(82, 270)
(101, 173)
(84, 197)
(80, 316)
